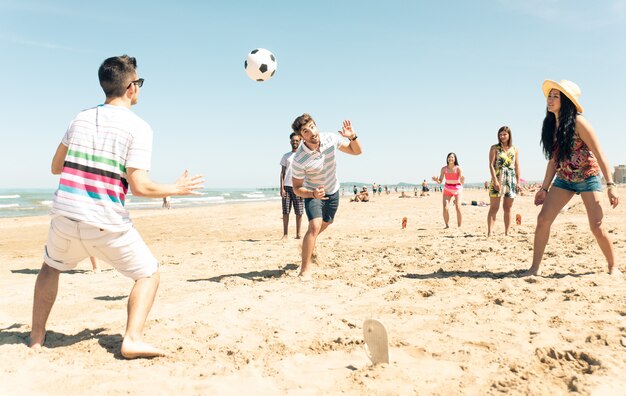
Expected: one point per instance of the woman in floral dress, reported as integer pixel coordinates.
(504, 168)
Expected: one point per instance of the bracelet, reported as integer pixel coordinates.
(353, 139)
(544, 189)
(610, 184)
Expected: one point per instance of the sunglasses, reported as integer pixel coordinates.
(138, 82)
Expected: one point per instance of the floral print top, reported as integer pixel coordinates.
(580, 166)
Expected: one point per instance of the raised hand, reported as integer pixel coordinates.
(187, 185)
(346, 130)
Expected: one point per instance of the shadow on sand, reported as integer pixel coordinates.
(253, 275)
(111, 342)
(490, 275)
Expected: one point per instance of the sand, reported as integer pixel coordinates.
(234, 318)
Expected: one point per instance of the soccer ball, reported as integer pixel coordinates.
(260, 64)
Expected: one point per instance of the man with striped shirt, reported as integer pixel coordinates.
(315, 178)
(106, 150)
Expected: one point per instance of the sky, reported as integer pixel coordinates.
(418, 79)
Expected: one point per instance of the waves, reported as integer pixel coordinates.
(20, 203)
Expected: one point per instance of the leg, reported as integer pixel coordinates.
(595, 216)
(446, 213)
(506, 206)
(298, 226)
(316, 226)
(94, 263)
(46, 288)
(285, 226)
(140, 302)
(494, 206)
(457, 205)
(555, 201)
(286, 206)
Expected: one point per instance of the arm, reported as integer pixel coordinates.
(299, 190)
(540, 196)
(282, 181)
(440, 179)
(517, 175)
(353, 146)
(142, 186)
(461, 177)
(492, 169)
(58, 159)
(588, 135)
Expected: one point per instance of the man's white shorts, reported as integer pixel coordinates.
(70, 242)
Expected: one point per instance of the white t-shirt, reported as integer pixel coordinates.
(286, 161)
(102, 143)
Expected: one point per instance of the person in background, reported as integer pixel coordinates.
(505, 176)
(288, 197)
(453, 175)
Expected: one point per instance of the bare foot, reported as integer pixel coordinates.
(285, 237)
(298, 237)
(447, 226)
(614, 271)
(305, 277)
(139, 349)
(37, 341)
(530, 272)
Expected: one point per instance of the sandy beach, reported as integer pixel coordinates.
(234, 318)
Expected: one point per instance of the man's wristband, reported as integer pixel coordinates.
(354, 138)
(544, 189)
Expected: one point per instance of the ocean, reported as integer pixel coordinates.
(37, 202)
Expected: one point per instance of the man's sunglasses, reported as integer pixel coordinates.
(138, 82)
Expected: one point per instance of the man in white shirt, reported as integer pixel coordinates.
(105, 150)
(289, 198)
(315, 178)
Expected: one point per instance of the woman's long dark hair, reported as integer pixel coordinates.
(456, 160)
(559, 142)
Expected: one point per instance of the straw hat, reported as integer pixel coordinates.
(567, 87)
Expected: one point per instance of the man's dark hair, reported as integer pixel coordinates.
(301, 121)
(292, 135)
(115, 74)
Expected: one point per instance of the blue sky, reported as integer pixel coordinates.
(418, 79)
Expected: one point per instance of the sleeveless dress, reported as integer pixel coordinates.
(453, 186)
(504, 164)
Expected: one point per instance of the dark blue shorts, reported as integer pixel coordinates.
(592, 183)
(324, 208)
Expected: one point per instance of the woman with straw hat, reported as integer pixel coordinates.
(576, 159)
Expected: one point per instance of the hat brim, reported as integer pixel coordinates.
(549, 85)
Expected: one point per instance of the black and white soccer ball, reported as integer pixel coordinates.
(260, 64)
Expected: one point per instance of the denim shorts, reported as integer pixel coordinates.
(324, 208)
(590, 184)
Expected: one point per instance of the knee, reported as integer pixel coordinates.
(314, 229)
(543, 220)
(597, 228)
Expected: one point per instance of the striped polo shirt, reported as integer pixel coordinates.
(318, 168)
(102, 143)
